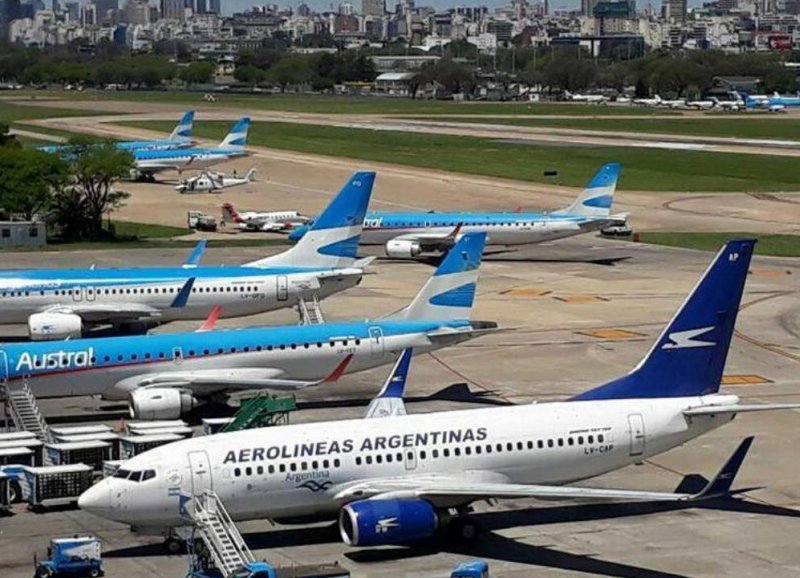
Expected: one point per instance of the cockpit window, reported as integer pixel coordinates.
(148, 475)
(120, 473)
(135, 476)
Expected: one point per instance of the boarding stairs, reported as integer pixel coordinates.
(310, 311)
(261, 411)
(222, 539)
(25, 412)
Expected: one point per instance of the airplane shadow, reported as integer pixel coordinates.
(512, 256)
(490, 545)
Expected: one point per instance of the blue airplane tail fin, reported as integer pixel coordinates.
(689, 356)
(597, 197)
(332, 241)
(450, 292)
(183, 131)
(237, 137)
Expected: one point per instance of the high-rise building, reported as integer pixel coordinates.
(215, 6)
(372, 8)
(103, 8)
(674, 11)
(173, 9)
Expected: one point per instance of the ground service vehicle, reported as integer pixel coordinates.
(76, 557)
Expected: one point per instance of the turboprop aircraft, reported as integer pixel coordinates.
(164, 375)
(68, 303)
(393, 478)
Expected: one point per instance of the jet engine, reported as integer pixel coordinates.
(161, 403)
(46, 326)
(403, 248)
(381, 522)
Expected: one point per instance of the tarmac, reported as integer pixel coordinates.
(558, 301)
(578, 312)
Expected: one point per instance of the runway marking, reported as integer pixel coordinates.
(769, 272)
(744, 379)
(581, 298)
(526, 292)
(611, 333)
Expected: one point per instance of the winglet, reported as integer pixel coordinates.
(183, 295)
(211, 320)
(721, 484)
(197, 253)
(389, 400)
(338, 370)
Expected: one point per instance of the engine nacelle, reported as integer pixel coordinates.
(46, 326)
(161, 403)
(403, 248)
(381, 522)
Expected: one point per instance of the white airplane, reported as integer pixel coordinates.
(164, 375)
(676, 103)
(211, 182)
(410, 234)
(65, 303)
(394, 478)
(588, 98)
(270, 222)
(701, 104)
(732, 105)
(656, 101)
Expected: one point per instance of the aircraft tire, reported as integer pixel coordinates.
(174, 546)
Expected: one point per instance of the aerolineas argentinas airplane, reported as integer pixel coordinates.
(395, 478)
(167, 374)
(411, 234)
(149, 162)
(180, 137)
(61, 303)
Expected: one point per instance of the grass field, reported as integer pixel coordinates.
(11, 113)
(773, 245)
(354, 105)
(763, 127)
(643, 169)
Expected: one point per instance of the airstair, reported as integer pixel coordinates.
(310, 311)
(262, 411)
(222, 540)
(25, 412)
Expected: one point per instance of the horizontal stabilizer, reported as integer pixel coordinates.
(737, 408)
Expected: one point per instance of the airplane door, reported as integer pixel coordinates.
(637, 434)
(91, 293)
(76, 294)
(411, 458)
(375, 342)
(201, 472)
(283, 287)
(177, 355)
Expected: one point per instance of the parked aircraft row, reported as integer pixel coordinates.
(394, 478)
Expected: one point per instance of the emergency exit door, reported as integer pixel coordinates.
(637, 433)
(283, 287)
(201, 472)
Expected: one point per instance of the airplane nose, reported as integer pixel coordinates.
(96, 499)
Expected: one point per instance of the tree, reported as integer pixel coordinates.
(249, 74)
(291, 71)
(454, 78)
(201, 72)
(6, 139)
(95, 167)
(30, 179)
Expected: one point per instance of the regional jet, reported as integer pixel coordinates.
(67, 303)
(407, 235)
(149, 162)
(393, 478)
(164, 375)
(180, 137)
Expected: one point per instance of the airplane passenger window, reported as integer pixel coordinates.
(246, 349)
(237, 472)
(435, 454)
(457, 451)
(570, 441)
(293, 467)
(488, 448)
(478, 449)
(358, 460)
(520, 447)
(399, 457)
(106, 358)
(368, 460)
(600, 438)
(325, 464)
(390, 458)
(260, 470)
(530, 445)
(561, 442)
(379, 459)
(580, 440)
(510, 447)
(549, 443)
(468, 450)
(539, 444)
(248, 470)
(423, 454)
(336, 463)
(590, 439)
(315, 465)
(282, 468)
(271, 469)
(446, 452)
(304, 466)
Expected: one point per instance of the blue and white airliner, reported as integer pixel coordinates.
(394, 478)
(167, 374)
(180, 137)
(149, 162)
(407, 235)
(68, 303)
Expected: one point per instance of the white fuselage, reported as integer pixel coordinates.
(294, 471)
(509, 233)
(238, 296)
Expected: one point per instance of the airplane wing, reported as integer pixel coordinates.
(469, 486)
(451, 335)
(205, 381)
